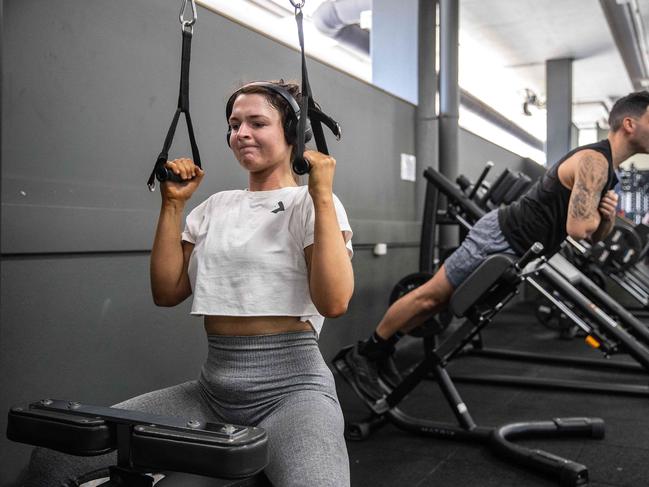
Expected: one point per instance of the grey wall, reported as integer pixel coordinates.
(474, 152)
(89, 88)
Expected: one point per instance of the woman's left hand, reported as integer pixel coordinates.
(321, 174)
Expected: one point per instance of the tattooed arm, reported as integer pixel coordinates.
(607, 211)
(591, 173)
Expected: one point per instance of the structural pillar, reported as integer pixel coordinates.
(426, 125)
(558, 80)
(449, 101)
(393, 47)
(449, 90)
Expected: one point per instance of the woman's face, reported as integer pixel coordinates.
(257, 136)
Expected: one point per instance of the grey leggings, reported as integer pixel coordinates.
(278, 382)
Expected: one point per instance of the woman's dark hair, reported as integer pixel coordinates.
(631, 105)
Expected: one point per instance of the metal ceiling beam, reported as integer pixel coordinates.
(627, 28)
(477, 106)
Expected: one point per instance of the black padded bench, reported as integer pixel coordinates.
(144, 442)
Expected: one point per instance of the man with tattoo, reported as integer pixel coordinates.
(575, 197)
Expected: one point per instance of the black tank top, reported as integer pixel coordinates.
(540, 215)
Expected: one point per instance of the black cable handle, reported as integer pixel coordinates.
(160, 172)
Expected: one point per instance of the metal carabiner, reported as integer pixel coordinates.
(297, 5)
(188, 23)
(339, 131)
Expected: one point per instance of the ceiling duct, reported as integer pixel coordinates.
(340, 20)
(627, 28)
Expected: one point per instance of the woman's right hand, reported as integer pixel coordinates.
(192, 176)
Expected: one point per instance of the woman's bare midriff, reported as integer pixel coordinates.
(254, 325)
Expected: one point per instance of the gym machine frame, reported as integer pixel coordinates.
(478, 300)
(605, 332)
(631, 278)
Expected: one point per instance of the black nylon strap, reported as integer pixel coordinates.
(313, 113)
(300, 165)
(183, 107)
(317, 114)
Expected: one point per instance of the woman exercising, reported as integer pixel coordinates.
(265, 265)
(573, 198)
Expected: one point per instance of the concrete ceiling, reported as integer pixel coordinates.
(504, 45)
(526, 33)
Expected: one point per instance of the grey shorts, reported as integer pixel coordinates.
(484, 239)
(278, 382)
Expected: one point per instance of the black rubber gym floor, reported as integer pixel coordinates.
(393, 457)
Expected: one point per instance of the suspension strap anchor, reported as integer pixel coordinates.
(188, 25)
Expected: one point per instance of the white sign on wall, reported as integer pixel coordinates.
(408, 167)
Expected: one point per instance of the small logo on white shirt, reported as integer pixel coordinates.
(280, 207)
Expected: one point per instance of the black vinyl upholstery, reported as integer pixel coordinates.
(480, 282)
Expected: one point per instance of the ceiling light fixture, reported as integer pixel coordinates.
(531, 100)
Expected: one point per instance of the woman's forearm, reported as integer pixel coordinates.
(169, 283)
(331, 279)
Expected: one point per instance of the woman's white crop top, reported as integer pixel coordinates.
(248, 257)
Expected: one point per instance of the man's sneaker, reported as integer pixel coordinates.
(389, 372)
(365, 373)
